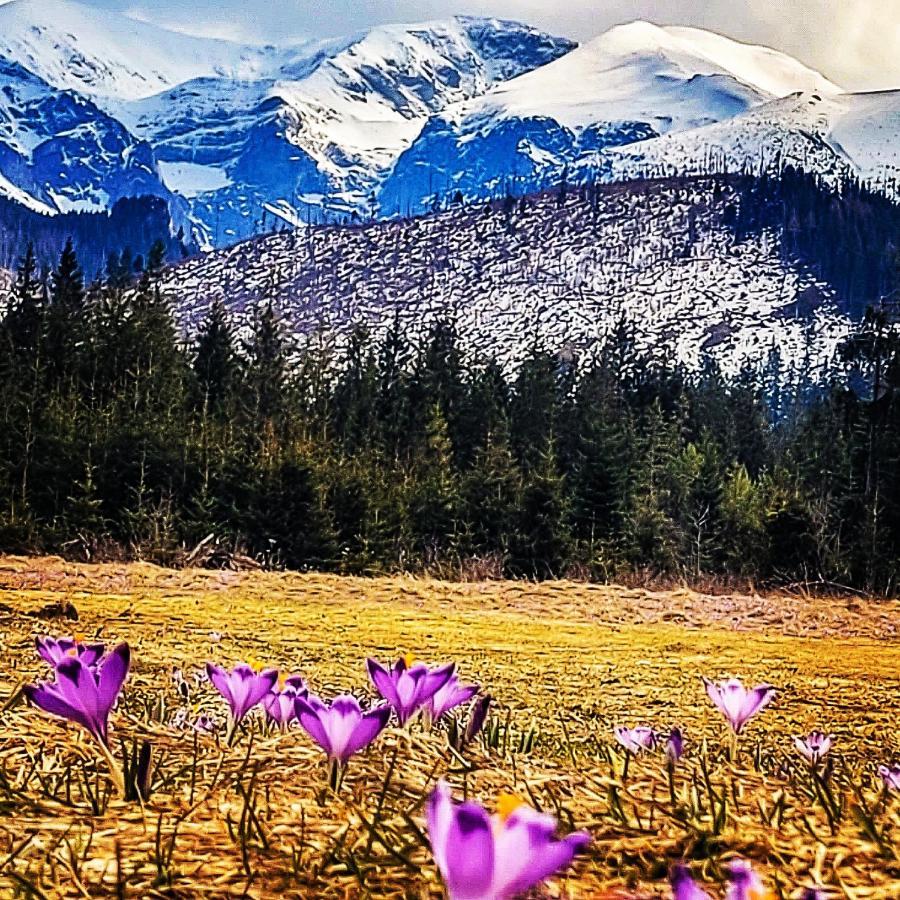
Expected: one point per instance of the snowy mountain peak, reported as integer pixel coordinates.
(699, 52)
(109, 55)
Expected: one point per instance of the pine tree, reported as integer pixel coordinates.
(266, 376)
(434, 504)
(491, 493)
(215, 363)
(67, 326)
(22, 328)
(543, 538)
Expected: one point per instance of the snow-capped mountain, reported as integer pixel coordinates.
(633, 83)
(402, 118)
(834, 135)
(59, 152)
(323, 133)
(109, 56)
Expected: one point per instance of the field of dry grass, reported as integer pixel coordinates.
(563, 661)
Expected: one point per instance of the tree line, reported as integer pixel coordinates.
(118, 439)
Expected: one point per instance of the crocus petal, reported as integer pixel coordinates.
(890, 775)
(383, 682)
(340, 722)
(369, 727)
(745, 883)
(451, 695)
(45, 698)
(520, 845)
(469, 854)
(308, 717)
(439, 818)
(91, 654)
(219, 679)
(757, 700)
(435, 679)
(112, 676)
(260, 686)
(76, 684)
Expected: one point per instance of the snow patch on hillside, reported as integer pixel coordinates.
(563, 276)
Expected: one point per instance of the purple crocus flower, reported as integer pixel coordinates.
(341, 729)
(82, 694)
(279, 702)
(493, 858)
(242, 687)
(634, 740)
(736, 703)
(683, 885)
(53, 651)
(890, 775)
(674, 746)
(815, 747)
(408, 686)
(745, 883)
(450, 695)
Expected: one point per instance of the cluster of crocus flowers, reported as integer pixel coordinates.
(815, 747)
(279, 703)
(408, 686)
(485, 857)
(736, 703)
(54, 650)
(84, 693)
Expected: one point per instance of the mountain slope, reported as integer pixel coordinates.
(562, 271)
(325, 134)
(60, 152)
(400, 119)
(836, 136)
(635, 82)
(77, 47)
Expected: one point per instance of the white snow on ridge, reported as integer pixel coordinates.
(835, 136)
(11, 192)
(82, 48)
(561, 278)
(672, 78)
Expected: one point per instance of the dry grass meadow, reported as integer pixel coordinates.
(565, 662)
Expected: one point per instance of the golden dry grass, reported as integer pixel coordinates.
(571, 659)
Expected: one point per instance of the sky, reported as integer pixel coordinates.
(854, 42)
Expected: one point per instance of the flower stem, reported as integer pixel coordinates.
(115, 772)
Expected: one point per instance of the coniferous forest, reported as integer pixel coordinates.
(118, 440)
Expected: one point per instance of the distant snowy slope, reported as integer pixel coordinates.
(836, 136)
(60, 152)
(325, 134)
(84, 48)
(669, 78)
(635, 82)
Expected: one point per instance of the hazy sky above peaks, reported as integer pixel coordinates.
(854, 42)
